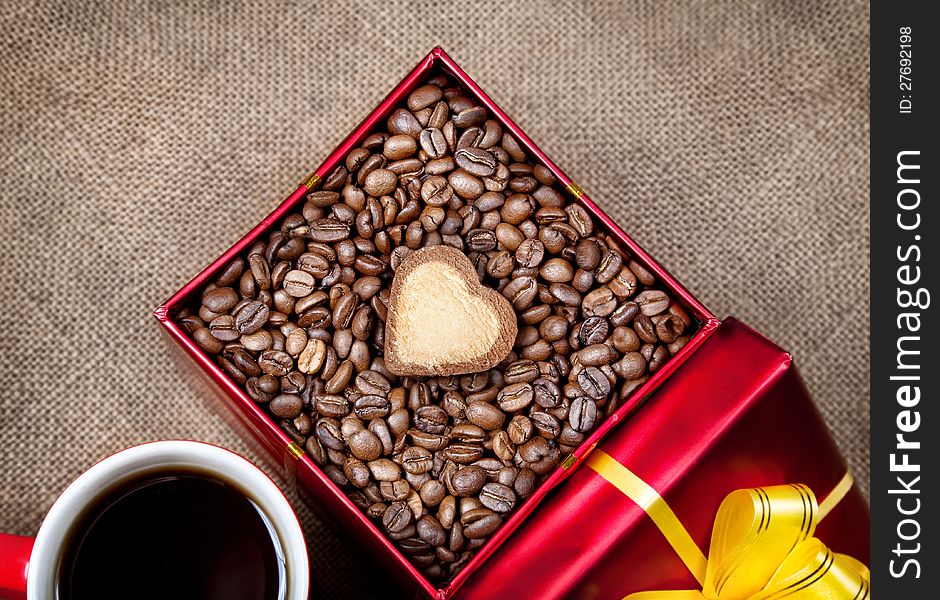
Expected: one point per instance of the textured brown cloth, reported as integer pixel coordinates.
(140, 140)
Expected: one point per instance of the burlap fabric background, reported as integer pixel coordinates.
(139, 140)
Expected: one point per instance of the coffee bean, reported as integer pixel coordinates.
(260, 270)
(331, 405)
(315, 264)
(223, 328)
(468, 433)
(474, 115)
(383, 469)
(600, 302)
(468, 480)
(511, 146)
(430, 441)
(517, 208)
(220, 299)
(424, 96)
(668, 328)
(481, 240)
(521, 371)
(594, 383)
(582, 415)
(231, 273)
(480, 524)
(462, 453)
(596, 355)
(381, 430)
(299, 283)
(547, 463)
(431, 419)
(357, 473)
(286, 406)
(397, 516)
(402, 121)
(191, 323)
(328, 230)
(515, 397)
(631, 366)
(594, 330)
(293, 383)
(625, 339)
(624, 284)
(582, 280)
(521, 292)
(503, 447)
(644, 328)
(520, 429)
(465, 184)
(231, 370)
(565, 294)
(608, 268)
(546, 393)
(295, 343)
(432, 492)
(245, 363)
(251, 317)
(476, 161)
(363, 323)
(557, 270)
(433, 143)
(373, 382)
(431, 531)
(416, 460)
(447, 511)
(398, 147)
(500, 265)
(329, 434)
(652, 302)
(642, 274)
(275, 362)
(525, 483)
(371, 407)
(498, 497)
(312, 357)
(529, 254)
(546, 424)
(534, 450)
(409, 545)
(588, 254)
(659, 358)
(580, 220)
(485, 415)
(547, 215)
(380, 182)
(624, 314)
(436, 191)
(540, 350)
(262, 388)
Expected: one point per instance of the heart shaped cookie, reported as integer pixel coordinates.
(442, 320)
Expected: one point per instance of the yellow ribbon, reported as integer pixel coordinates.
(762, 544)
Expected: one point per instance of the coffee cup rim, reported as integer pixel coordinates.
(136, 460)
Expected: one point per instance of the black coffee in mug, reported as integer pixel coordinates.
(174, 534)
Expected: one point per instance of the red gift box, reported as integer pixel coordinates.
(482, 571)
(735, 416)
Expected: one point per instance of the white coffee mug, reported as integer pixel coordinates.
(32, 574)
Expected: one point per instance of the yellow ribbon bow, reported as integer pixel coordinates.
(762, 544)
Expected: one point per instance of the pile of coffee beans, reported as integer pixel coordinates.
(439, 463)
